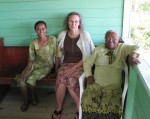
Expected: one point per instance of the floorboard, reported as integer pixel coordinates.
(10, 106)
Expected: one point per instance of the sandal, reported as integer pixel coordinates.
(77, 115)
(57, 113)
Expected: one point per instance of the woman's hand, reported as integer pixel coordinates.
(24, 75)
(70, 71)
(133, 59)
(26, 71)
(90, 80)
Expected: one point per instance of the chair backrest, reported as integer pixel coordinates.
(81, 84)
(125, 87)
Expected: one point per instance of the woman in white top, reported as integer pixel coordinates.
(75, 45)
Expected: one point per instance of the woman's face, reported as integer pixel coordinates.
(111, 40)
(41, 30)
(74, 22)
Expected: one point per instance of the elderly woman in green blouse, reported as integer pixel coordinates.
(42, 52)
(102, 97)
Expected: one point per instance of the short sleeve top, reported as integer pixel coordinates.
(43, 56)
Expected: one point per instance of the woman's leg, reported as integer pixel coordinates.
(26, 103)
(36, 74)
(76, 99)
(60, 94)
(33, 95)
(73, 87)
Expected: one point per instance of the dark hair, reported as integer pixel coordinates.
(67, 19)
(39, 22)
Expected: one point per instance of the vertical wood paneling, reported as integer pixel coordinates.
(18, 18)
(138, 99)
(138, 109)
(142, 99)
(131, 94)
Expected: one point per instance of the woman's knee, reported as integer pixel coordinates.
(61, 88)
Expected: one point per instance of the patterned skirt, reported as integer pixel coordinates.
(102, 102)
(71, 82)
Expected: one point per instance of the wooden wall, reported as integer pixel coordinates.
(17, 18)
(1, 54)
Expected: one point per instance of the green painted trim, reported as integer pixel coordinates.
(131, 93)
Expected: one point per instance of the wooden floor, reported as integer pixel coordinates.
(10, 106)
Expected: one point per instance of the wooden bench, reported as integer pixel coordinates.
(13, 60)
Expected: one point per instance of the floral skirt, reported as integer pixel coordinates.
(71, 82)
(102, 102)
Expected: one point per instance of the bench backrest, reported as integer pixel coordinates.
(13, 59)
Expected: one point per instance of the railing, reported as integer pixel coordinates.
(138, 97)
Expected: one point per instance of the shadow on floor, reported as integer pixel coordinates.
(47, 103)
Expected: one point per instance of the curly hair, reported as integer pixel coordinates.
(40, 22)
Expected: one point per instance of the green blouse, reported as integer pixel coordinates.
(106, 73)
(43, 56)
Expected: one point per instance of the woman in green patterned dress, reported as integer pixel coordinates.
(42, 52)
(102, 97)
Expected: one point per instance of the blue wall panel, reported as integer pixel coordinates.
(18, 18)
